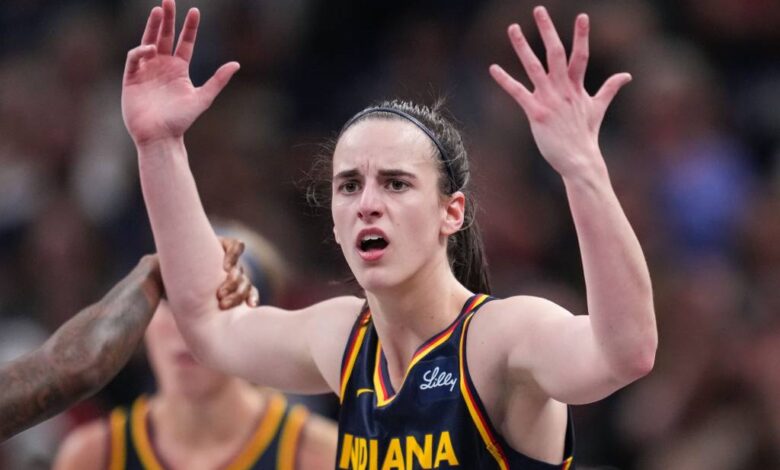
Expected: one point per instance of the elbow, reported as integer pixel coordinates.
(643, 364)
(639, 362)
(639, 358)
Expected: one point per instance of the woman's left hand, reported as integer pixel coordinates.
(564, 118)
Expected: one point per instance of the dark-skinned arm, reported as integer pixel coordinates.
(83, 355)
(86, 352)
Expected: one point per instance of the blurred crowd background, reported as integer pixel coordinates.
(692, 144)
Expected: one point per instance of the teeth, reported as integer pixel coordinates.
(368, 238)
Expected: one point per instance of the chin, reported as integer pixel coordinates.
(196, 387)
(378, 280)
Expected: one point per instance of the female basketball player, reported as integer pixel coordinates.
(424, 381)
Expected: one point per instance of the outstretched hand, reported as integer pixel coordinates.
(565, 120)
(159, 100)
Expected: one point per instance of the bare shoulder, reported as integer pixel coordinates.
(335, 316)
(345, 308)
(329, 328)
(84, 448)
(509, 328)
(319, 439)
(501, 338)
(519, 311)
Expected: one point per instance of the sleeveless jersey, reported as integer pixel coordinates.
(272, 446)
(436, 419)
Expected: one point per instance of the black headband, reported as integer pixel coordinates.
(444, 157)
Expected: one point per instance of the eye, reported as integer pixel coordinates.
(349, 187)
(397, 185)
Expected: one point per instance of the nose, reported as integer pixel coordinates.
(370, 206)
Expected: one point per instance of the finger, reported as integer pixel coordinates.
(533, 67)
(233, 250)
(580, 50)
(516, 90)
(218, 81)
(610, 88)
(165, 39)
(239, 295)
(134, 58)
(228, 287)
(188, 33)
(556, 54)
(152, 27)
(231, 301)
(230, 284)
(254, 297)
(244, 287)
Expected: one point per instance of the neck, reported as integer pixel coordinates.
(413, 312)
(227, 415)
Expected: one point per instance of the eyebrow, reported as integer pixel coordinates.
(390, 173)
(346, 174)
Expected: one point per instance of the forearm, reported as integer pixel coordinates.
(190, 253)
(618, 287)
(81, 356)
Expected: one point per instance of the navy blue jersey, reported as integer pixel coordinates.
(436, 419)
(272, 446)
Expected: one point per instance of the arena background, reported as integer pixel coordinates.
(692, 144)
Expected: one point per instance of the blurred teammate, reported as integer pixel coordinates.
(200, 418)
(89, 349)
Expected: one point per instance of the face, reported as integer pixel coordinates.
(176, 370)
(389, 217)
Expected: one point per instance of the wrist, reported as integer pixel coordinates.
(590, 170)
(151, 278)
(160, 145)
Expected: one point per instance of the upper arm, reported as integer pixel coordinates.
(543, 345)
(296, 351)
(84, 449)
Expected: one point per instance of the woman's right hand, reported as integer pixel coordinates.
(159, 100)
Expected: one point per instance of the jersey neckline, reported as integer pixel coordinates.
(383, 388)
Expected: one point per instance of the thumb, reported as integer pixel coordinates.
(218, 81)
(610, 88)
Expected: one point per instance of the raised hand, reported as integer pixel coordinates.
(565, 120)
(159, 100)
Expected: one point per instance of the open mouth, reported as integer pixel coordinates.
(372, 242)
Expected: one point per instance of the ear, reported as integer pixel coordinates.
(455, 211)
(336, 235)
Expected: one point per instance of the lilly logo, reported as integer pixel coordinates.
(437, 378)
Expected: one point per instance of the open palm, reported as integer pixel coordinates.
(565, 120)
(158, 98)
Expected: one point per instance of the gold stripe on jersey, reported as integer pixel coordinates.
(264, 434)
(143, 446)
(352, 353)
(479, 421)
(118, 453)
(290, 437)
